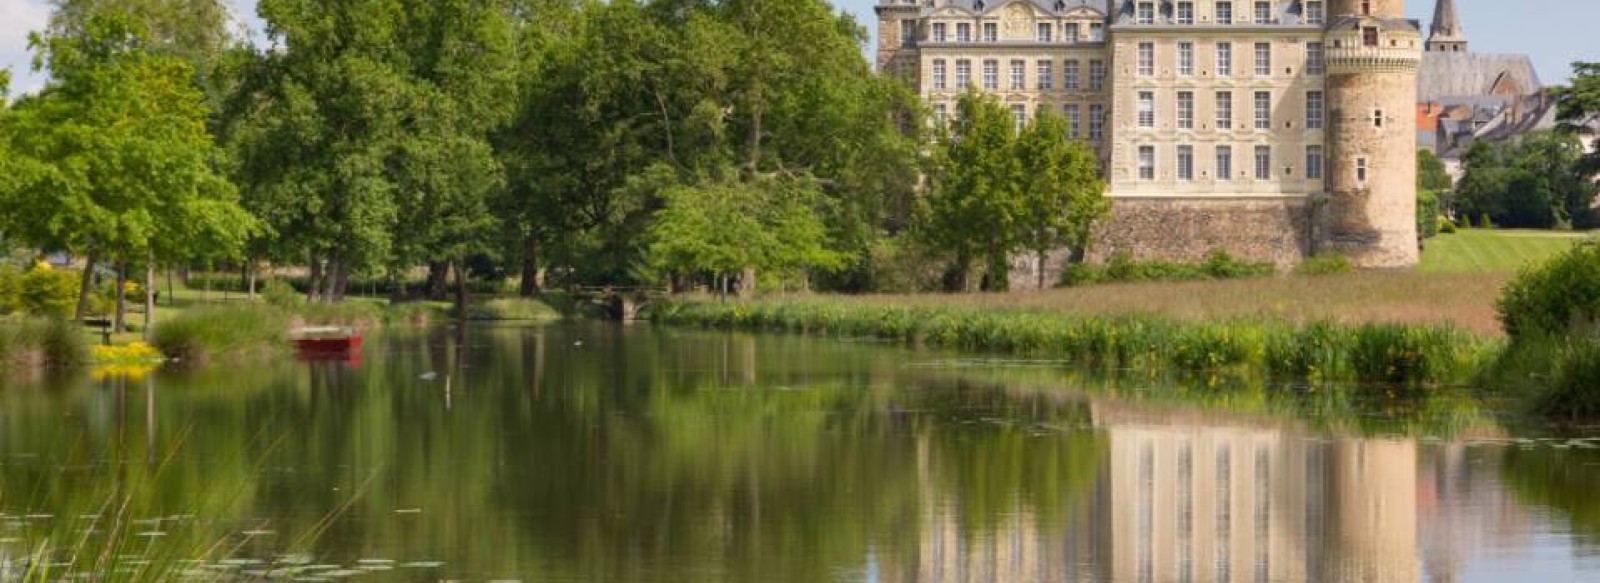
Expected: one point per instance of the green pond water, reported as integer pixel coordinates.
(596, 452)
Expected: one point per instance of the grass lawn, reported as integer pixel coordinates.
(1487, 251)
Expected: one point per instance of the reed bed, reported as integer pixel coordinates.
(41, 342)
(1392, 354)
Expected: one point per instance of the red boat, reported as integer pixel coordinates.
(327, 341)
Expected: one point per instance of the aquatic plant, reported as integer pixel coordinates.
(203, 334)
(33, 342)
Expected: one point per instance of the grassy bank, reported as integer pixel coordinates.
(34, 343)
(1493, 251)
(1415, 355)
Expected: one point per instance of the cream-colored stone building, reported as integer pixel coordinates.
(1272, 129)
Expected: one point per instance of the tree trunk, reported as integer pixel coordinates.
(86, 285)
(434, 289)
(339, 281)
(314, 280)
(250, 278)
(149, 293)
(170, 297)
(119, 324)
(205, 291)
(1044, 256)
(747, 283)
(999, 276)
(459, 267)
(330, 278)
(530, 268)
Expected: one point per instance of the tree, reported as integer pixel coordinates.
(1534, 182)
(1578, 109)
(975, 203)
(116, 160)
(1062, 195)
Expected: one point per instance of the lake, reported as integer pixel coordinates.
(598, 452)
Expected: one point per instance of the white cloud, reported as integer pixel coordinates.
(17, 19)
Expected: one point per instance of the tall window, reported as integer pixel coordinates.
(1185, 173)
(1263, 59)
(1224, 12)
(1224, 110)
(991, 75)
(1369, 36)
(1185, 12)
(941, 114)
(1263, 12)
(1018, 71)
(1314, 12)
(1069, 75)
(1147, 109)
(1097, 32)
(1185, 59)
(1314, 162)
(908, 33)
(963, 74)
(939, 32)
(1263, 110)
(1366, 7)
(938, 75)
(1147, 162)
(1069, 32)
(1314, 110)
(1074, 120)
(991, 32)
(1263, 162)
(1185, 110)
(1224, 162)
(1147, 59)
(1147, 13)
(1019, 117)
(1097, 121)
(1224, 59)
(1315, 63)
(1361, 170)
(1097, 75)
(1047, 75)
(1046, 31)
(963, 32)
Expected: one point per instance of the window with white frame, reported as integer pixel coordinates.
(991, 32)
(908, 33)
(939, 32)
(1046, 32)
(963, 32)
(1097, 121)
(1147, 59)
(1097, 32)
(1074, 120)
(991, 75)
(1018, 71)
(1069, 75)
(1019, 117)
(1263, 12)
(1047, 75)
(1314, 162)
(1315, 13)
(963, 74)
(1069, 32)
(1224, 12)
(1224, 110)
(1147, 162)
(941, 114)
(938, 74)
(1185, 12)
(1224, 59)
(1185, 110)
(1263, 110)
(1147, 13)
(1263, 59)
(1185, 163)
(1185, 59)
(1097, 75)
(1314, 109)
(1147, 109)
(1224, 162)
(1315, 60)
(1263, 162)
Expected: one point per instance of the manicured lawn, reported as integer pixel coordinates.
(1488, 251)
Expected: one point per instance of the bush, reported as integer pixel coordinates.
(1447, 226)
(511, 309)
(47, 292)
(1427, 213)
(1483, 221)
(203, 334)
(1123, 268)
(1555, 298)
(1325, 264)
(42, 341)
(281, 294)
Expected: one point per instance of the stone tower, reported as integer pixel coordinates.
(1446, 35)
(1369, 214)
(897, 37)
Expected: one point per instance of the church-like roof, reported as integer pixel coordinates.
(1446, 75)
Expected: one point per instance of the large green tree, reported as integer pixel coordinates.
(1579, 110)
(1062, 194)
(1534, 182)
(975, 206)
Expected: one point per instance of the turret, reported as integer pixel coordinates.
(897, 36)
(1372, 58)
(1446, 36)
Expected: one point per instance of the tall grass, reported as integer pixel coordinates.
(39, 342)
(1417, 355)
(204, 334)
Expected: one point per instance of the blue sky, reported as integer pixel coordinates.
(1554, 32)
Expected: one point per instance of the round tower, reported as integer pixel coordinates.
(1372, 58)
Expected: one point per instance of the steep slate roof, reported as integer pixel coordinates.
(1048, 6)
(1445, 75)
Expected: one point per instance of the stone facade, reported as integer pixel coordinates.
(1231, 124)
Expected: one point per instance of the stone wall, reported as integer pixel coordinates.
(1186, 230)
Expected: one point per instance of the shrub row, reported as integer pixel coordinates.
(41, 342)
(1123, 268)
(1379, 353)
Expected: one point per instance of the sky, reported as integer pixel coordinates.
(1554, 32)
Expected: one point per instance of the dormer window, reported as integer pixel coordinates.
(1061, 6)
(1147, 13)
(1369, 36)
(1263, 12)
(1366, 7)
(991, 32)
(939, 32)
(963, 32)
(978, 6)
(1314, 12)
(1046, 31)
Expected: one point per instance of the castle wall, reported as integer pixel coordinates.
(1372, 221)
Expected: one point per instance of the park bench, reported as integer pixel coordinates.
(100, 327)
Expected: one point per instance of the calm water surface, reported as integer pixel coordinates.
(587, 452)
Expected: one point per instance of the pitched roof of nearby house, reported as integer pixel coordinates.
(1447, 75)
